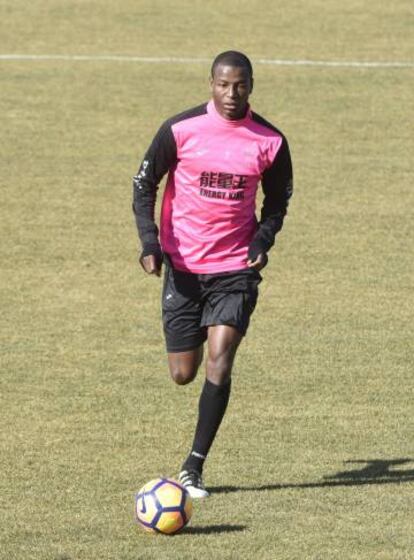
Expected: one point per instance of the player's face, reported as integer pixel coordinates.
(231, 87)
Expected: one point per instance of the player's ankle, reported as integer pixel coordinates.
(194, 462)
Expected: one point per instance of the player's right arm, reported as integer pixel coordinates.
(159, 158)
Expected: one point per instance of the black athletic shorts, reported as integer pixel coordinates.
(193, 302)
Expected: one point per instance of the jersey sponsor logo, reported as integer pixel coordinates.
(215, 179)
(215, 184)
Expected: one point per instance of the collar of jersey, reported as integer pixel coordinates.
(212, 111)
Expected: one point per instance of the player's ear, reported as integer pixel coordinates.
(251, 84)
(210, 81)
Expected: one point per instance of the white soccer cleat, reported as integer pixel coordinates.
(193, 483)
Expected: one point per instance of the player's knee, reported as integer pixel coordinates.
(219, 368)
(182, 376)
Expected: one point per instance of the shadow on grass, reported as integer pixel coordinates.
(212, 529)
(374, 471)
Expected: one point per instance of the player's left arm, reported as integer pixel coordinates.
(277, 185)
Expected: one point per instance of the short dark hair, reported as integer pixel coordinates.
(232, 58)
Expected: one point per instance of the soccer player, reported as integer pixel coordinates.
(211, 243)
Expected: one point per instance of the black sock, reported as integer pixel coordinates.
(212, 406)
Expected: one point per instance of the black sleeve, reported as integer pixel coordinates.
(277, 184)
(160, 157)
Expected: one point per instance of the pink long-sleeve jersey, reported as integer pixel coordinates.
(214, 166)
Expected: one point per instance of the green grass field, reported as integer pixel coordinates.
(315, 457)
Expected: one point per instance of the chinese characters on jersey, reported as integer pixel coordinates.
(222, 185)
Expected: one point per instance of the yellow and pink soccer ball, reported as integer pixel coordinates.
(163, 505)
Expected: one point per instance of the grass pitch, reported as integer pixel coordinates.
(315, 458)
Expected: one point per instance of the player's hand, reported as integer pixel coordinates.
(151, 264)
(259, 263)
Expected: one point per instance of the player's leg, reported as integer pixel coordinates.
(184, 365)
(181, 312)
(223, 341)
(227, 314)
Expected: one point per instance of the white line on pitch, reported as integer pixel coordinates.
(189, 60)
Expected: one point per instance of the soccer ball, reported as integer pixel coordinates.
(163, 506)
